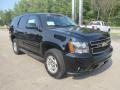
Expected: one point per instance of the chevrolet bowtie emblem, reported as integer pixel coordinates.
(104, 44)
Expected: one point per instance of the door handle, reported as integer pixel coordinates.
(26, 33)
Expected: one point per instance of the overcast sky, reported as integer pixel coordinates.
(7, 4)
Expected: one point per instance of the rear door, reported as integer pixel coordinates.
(21, 30)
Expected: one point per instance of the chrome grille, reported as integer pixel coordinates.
(100, 45)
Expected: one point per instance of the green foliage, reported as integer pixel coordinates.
(115, 21)
(93, 9)
(5, 17)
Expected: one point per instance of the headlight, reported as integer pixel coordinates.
(78, 47)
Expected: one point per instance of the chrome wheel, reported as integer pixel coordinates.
(52, 64)
(15, 46)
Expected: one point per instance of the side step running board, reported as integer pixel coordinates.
(32, 55)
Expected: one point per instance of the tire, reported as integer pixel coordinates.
(16, 47)
(98, 29)
(58, 69)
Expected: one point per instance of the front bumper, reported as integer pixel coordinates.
(86, 62)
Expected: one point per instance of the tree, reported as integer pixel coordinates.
(55, 6)
(104, 8)
(5, 17)
(1, 18)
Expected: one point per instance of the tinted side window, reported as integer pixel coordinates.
(23, 21)
(103, 23)
(32, 22)
(15, 21)
(98, 23)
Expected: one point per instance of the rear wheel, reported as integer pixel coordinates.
(54, 63)
(16, 47)
(98, 29)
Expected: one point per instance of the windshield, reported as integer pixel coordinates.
(58, 21)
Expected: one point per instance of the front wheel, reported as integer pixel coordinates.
(54, 63)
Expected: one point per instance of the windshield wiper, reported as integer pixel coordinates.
(55, 26)
(70, 25)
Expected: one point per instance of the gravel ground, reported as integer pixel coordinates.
(25, 73)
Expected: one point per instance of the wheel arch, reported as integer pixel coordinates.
(50, 45)
(12, 37)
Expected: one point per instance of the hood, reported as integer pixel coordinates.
(83, 34)
(89, 34)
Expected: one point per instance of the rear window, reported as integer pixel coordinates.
(32, 21)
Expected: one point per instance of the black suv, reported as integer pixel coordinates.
(64, 46)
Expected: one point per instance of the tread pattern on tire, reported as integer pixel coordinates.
(59, 57)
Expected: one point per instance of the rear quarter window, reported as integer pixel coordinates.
(23, 21)
(15, 21)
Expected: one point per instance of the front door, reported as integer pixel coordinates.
(33, 35)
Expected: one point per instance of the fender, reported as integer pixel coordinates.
(48, 45)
